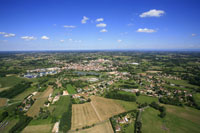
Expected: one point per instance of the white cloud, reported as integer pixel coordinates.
(99, 39)
(119, 41)
(45, 38)
(103, 30)
(101, 25)
(152, 13)
(28, 38)
(69, 26)
(194, 34)
(75, 41)
(145, 30)
(62, 40)
(84, 20)
(99, 19)
(9, 35)
(2, 33)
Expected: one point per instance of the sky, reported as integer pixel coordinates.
(99, 24)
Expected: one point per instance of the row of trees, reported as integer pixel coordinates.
(121, 96)
(172, 101)
(15, 90)
(162, 109)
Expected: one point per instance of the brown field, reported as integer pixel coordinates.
(106, 107)
(3, 102)
(99, 109)
(99, 128)
(40, 100)
(82, 115)
(38, 129)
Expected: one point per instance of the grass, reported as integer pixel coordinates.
(197, 98)
(127, 105)
(40, 121)
(71, 89)
(173, 122)
(130, 128)
(46, 128)
(60, 106)
(147, 99)
(9, 81)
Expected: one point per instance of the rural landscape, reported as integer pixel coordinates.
(108, 66)
(100, 92)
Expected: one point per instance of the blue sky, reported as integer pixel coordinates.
(99, 24)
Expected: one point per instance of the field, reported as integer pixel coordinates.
(71, 89)
(126, 104)
(7, 82)
(38, 129)
(104, 127)
(82, 115)
(147, 99)
(3, 101)
(60, 107)
(40, 100)
(177, 120)
(106, 107)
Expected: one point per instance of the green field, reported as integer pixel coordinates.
(60, 107)
(9, 81)
(11, 123)
(173, 122)
(127, 105)
(71, 89)
(130, 128)
(147, 99)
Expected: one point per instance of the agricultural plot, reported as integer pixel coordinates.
(38, 129)
(24, 94)
(83, 115)
(106, 107)
(104, 127)
(3, 102)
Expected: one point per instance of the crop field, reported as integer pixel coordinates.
(3, 101)
(38, 129)
(83, 115)
(106, 107)
(104, 127)
(175, 120)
